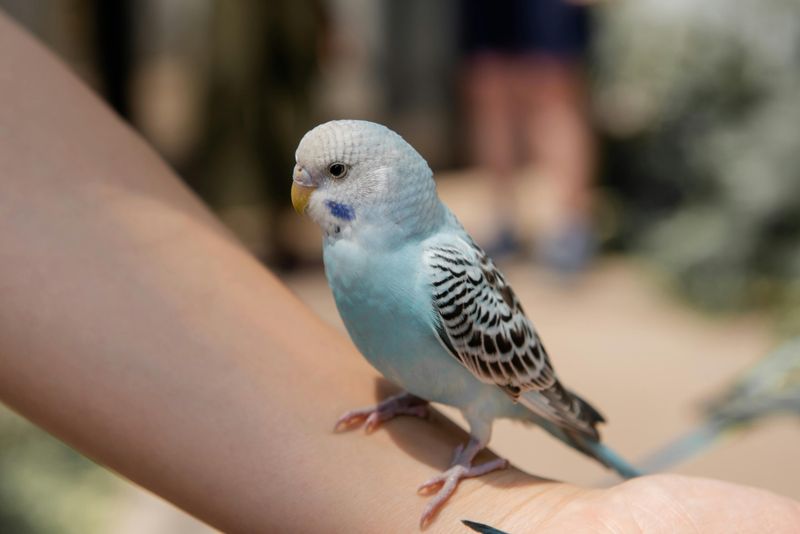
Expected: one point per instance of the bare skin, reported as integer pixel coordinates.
(136, 329)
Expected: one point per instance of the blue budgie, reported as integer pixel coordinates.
(424, 304)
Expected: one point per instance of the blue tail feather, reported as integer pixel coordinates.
(684, 446)
(590, 447)
(611, 459)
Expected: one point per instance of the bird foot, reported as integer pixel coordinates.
(447, 482)
(402, 404)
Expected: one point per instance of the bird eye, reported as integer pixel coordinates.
(337, 170)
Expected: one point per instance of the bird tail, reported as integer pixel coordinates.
(684, 446)
(608, 457)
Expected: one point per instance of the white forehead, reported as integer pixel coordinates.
(350, 141)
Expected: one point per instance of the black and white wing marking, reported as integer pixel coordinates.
(481, 323)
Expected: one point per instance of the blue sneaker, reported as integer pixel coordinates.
(570, 250)
(503, 245)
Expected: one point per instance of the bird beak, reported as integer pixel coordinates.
(302, 187)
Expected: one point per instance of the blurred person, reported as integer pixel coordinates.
(526, 96)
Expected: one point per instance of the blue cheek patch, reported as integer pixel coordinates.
(340, 211)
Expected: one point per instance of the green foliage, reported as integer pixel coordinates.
(47, 487)
(699, 102)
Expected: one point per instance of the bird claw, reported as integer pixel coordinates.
(444, 484)
(351, 418)
(373, 416)
(447, 482)
(453, 474)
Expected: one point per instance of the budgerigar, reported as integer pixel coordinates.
(424, 304)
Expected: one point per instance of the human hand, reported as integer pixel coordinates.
(652, 504)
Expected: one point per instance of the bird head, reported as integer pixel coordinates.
(354, 175)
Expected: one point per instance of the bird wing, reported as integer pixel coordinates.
(480, 322)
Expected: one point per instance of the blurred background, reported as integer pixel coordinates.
(634, 165)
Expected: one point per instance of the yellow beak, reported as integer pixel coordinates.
(300, 196)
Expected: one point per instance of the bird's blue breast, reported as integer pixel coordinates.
(385, 305)
(384, 300)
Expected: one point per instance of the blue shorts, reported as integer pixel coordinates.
(553, 28)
